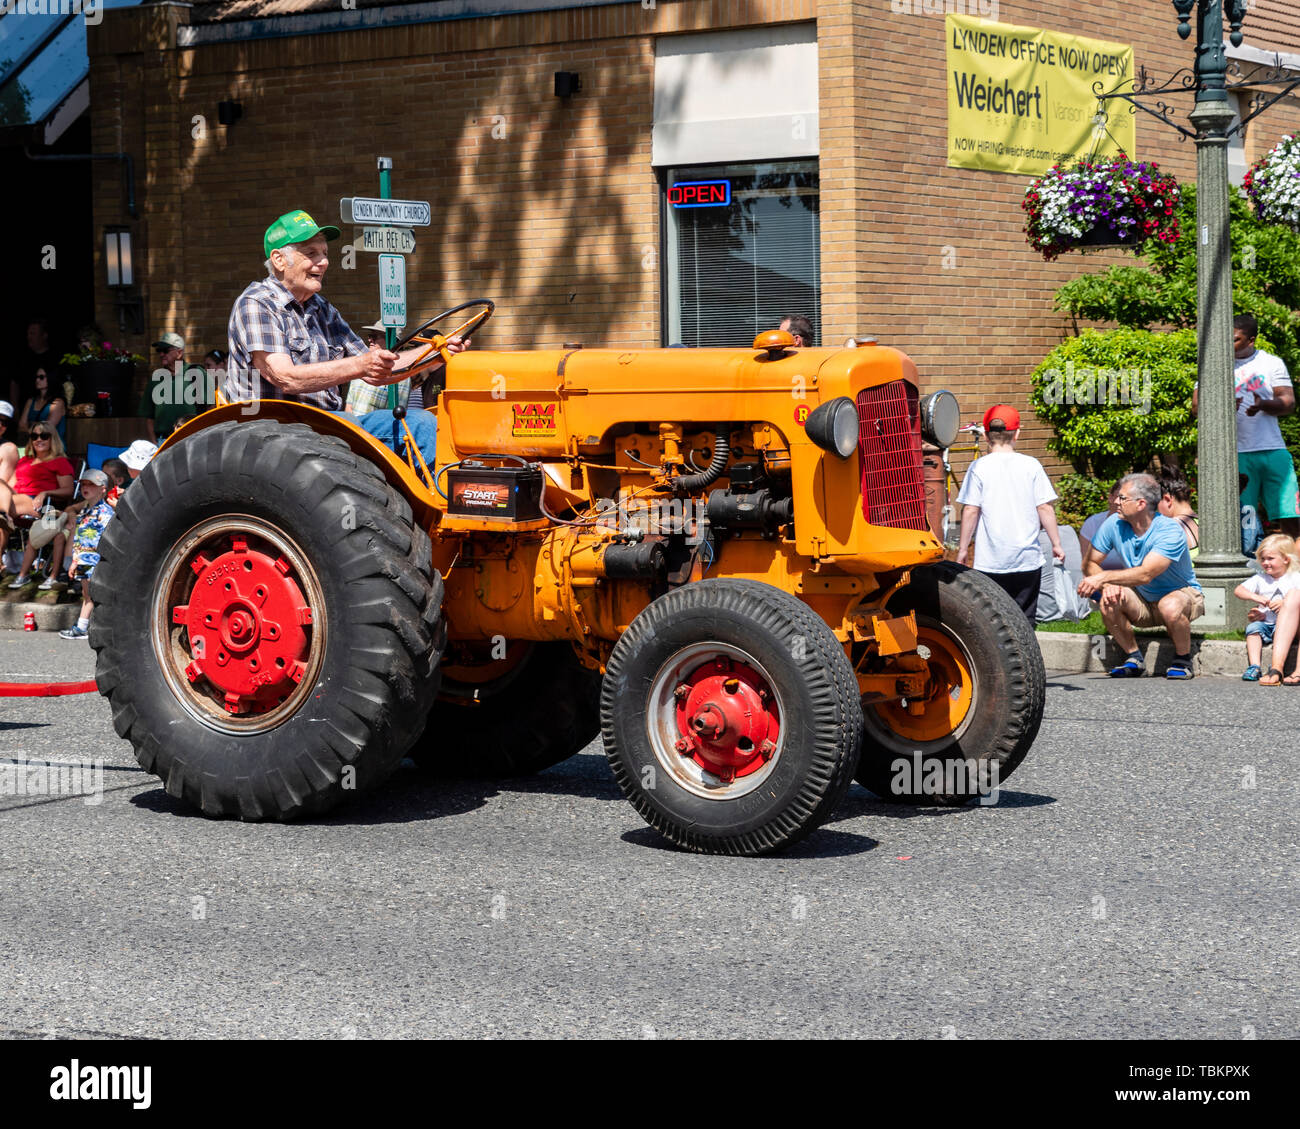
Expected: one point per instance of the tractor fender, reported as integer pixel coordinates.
(398, 473)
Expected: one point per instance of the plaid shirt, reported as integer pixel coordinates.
(266, 318)
(363, 397)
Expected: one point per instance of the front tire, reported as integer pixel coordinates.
(985, 704)
(267, 621)
(730, 717)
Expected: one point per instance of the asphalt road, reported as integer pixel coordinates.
(1136, 879)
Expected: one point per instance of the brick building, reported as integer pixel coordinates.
(830, 115)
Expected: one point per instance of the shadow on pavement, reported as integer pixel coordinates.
(412, 795)
(861, 802)
(821, 844)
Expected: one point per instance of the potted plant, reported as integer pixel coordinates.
(102, 373)
(1273, 183)
(1111, 202)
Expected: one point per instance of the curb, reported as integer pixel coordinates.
(49, 617)
(1064, 653)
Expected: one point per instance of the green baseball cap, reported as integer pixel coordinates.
(294, 227)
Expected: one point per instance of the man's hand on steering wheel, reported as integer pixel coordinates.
(377, 367)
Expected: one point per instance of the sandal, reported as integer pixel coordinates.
(1131, 668)
(1292, 679)
(1272, 678)
(1252, 673)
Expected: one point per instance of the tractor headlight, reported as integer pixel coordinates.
(940, 418)
(833, 426)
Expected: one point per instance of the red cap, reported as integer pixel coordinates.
(1004, 414)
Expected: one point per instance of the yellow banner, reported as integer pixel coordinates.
(1020, 99)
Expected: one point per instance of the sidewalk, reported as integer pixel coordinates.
(1085, 654)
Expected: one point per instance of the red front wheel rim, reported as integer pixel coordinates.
(715, 720)
(238, 623)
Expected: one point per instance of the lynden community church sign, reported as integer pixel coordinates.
(1020, 99)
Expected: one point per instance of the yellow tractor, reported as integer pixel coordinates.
(716, 559)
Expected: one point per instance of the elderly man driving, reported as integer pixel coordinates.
(288, 343)
(1156, 586)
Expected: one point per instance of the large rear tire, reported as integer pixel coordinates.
(267, 621)
(731, 717)
(543, 708)
(988, 687)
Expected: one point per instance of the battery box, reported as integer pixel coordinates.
(497, 493)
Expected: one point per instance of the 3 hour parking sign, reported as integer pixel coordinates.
(392, 290)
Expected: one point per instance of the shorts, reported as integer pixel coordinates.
(1151, 617)
(1023, 587)
(1270, 482)
(1262, 629)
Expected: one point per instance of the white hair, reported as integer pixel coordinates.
(290, 252)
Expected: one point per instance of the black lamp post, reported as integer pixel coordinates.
(1220, 565)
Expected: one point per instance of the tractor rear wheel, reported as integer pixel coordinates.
(534, 706)
(985, 701)
(267, 621)
(731, 717)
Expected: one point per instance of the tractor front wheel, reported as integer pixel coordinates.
(731, 717)
(984, 698)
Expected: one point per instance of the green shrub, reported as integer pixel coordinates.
(1266, 283)
(1081, 496)
(1119, 399)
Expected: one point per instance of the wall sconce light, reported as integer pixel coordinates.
(117, 257)
(120, 270)
(229, 112)
(567, 83)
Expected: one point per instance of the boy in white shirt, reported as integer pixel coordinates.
(1007, 496)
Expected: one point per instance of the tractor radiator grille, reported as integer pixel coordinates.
(889, 444)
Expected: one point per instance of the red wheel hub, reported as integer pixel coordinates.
(247, 621)
(727, 719)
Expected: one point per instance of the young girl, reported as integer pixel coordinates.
(1267, 591)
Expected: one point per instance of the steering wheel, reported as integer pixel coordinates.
(437, 342)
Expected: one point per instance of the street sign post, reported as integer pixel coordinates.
(400, 213)
(392, 290)
(392, 240)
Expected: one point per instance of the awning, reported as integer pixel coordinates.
(44, 68)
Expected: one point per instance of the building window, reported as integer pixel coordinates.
(743, 250)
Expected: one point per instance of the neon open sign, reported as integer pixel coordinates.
(700, 194)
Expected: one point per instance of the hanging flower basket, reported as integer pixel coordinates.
(1273, 184)
(1113, 202)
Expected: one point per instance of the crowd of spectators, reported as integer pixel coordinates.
(60, 511)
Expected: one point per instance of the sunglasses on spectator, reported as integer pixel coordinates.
(40, 435)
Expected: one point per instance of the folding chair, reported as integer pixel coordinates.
(97, 454)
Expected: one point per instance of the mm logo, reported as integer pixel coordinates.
(533, 419)
(801, 413)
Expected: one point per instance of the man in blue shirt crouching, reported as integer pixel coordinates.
(1156, 586)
